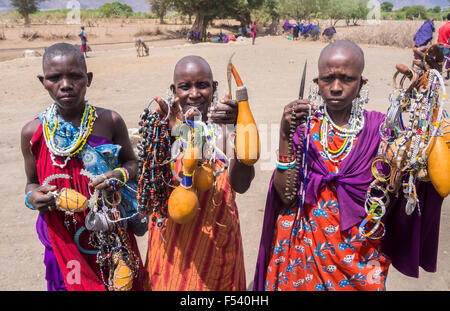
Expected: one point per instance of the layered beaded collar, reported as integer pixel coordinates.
(63, 138)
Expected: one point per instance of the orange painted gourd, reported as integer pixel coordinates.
(247, 136)
(446, 131)
(72, 201)
(204, 178)
(123, 276)
(439, 165)
(183, 205)
(190, 159)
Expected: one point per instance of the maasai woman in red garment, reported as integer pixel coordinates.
(97, 140)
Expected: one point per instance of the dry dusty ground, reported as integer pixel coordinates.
(125, 83)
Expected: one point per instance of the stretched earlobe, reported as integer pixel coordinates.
(172, 88)
(41, 78)
(90, 75)
(364, 80)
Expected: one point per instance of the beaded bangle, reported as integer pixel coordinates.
(376, 173)
(286, 166)
(285, 159)
(28, 203)
(281, 167)
(122, 170)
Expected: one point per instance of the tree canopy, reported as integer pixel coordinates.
(26, 7)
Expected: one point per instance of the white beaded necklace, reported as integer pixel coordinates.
(356, 125)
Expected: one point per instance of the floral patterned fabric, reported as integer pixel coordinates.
(313, 254)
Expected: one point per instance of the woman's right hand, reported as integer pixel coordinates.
(42, 199)
(301, 110)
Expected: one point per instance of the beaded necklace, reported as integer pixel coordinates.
(61, 137)
(356, 125)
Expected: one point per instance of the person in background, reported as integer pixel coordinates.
(443, 40)
(83, 38)
(254, 30)
(424, 35)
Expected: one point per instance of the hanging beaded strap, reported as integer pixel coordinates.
(155, 175)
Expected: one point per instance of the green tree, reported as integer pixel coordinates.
(242, 10)
(386, 6)
(160, 8)
(26, 7)
(416, 11)
(436, 9)
(116, 9)
(207, 10)
(304, 9)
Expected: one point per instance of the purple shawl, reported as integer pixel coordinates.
(424, 34)
(410, 241)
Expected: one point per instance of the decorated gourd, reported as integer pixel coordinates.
(183, 202)
(247, 136)
(123, 276)
(439, 165)
(204, 177)
(183, 205)
(446, 131)
(69, 200)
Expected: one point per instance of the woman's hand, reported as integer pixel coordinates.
(301, 110)
(105, 181)
(41, 198)
(225, 112)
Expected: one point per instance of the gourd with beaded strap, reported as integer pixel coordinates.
(183, 202)
(123, 276)
(69, 200)
(204, 177)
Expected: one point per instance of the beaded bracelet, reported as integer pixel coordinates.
(28, 203)
(376, 173)
(124, 173)
(286, 166)
(285, 159)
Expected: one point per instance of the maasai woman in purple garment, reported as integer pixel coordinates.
(424, 35)
(310, 240)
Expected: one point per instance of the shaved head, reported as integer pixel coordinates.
(188, 63)
(346, 49)
(62, 49)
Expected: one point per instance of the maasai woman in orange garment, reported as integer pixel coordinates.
(206, 253)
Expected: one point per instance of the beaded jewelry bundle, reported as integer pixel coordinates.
(155, 176)
(107, 231)
(410, 149)
(195, 143)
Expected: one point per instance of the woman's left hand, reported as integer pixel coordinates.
(107, 181)
(225, 112)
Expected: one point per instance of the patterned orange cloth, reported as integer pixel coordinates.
(317, 255)
(203, 255)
